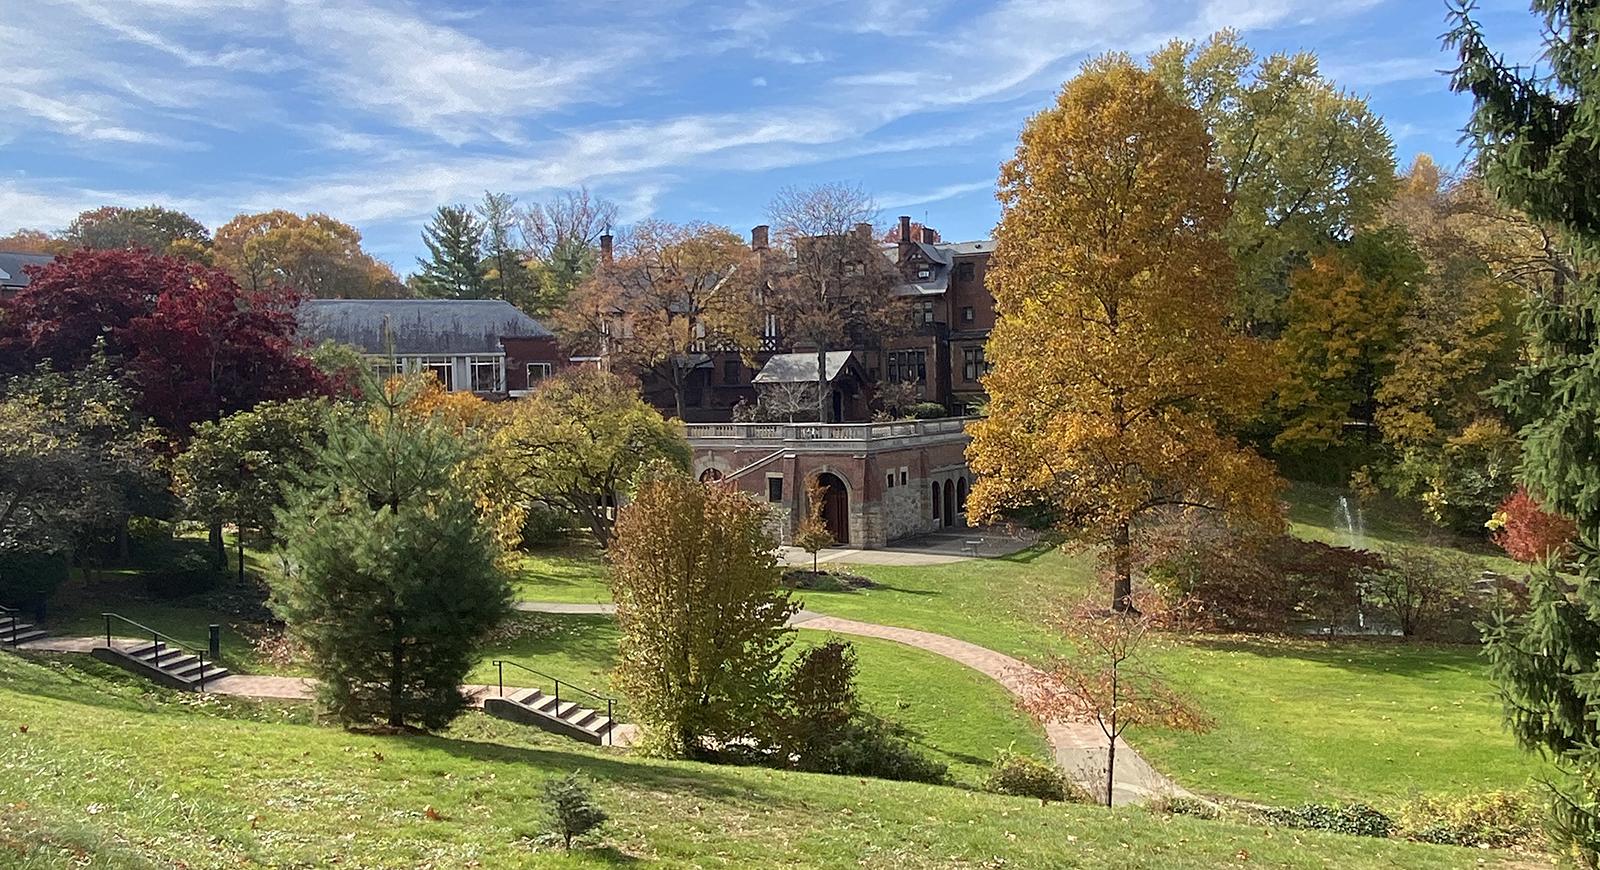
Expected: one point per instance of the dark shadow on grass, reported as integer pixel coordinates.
(1025, 556)
(1375, 655)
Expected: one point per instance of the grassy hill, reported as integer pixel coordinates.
(110, 772)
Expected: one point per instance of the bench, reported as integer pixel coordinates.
(972, 546)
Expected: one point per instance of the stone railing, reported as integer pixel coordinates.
(799, 434)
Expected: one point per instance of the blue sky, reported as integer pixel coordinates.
(375, 111)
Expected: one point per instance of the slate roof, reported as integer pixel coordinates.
(941, 256)
(13, 274)
(418, 326)
(792, 368)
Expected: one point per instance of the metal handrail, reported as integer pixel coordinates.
(156, 638)
(611, 703)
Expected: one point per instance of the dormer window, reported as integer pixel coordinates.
(924, 273)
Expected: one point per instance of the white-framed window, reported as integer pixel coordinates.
(905, 475)
(924, 273)
(889, 480)
(537, 372)
(774, 487)
(439, 368)
(488, 375)
(908, 366)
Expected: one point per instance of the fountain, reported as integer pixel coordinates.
(1355, 526)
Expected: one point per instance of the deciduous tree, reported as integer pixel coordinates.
(1107, 681)
(1303, 162)
(577, 442)
(1114, 371)
(674, 293)
(311, 254)
(505, 254)
(828, 283)
(394, 582)
(154, 228)
(702, 615)
(32, 241)
(812, 533)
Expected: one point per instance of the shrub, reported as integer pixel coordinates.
(28, 577)
(1528, 532)
(542, 527)
(1496, 819)
(1357, 818)
(569, 809)
(1421, 587)
(1025, 776)
(874, 747)
(1185, 806)
(929, 411)
(186, 573)
(819, 700)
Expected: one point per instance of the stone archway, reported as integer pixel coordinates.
(711, 475)
(933, 489)
(961, 495)
(835, 506)
(949, 503)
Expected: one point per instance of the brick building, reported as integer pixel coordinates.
(952, 313)
(881, 481)
(486, 346)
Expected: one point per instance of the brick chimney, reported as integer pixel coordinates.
(864, 230)
(758, 238)
(605, 248)
(905, 228)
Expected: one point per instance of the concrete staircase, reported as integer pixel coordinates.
(13, 631)
(169, 665)
(567, 718)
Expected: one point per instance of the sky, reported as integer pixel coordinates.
(376, 111)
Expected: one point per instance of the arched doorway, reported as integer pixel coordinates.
(835, 507)
(934, 489)
(710, 475)
(949, 503)
(961, 495)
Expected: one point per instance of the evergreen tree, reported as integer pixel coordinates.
(395, 580)
(1537, 138)
(507, 275)
(455, 268)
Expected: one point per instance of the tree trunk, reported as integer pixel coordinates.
(1122, 563)
(219, 550)
(397, 672)
(822, 384)
(1111, 768)
(124, 549)
(240, 546)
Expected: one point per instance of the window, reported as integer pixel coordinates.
(966, 314)
(889, 480)
(440, 370)
(973, 365)
(924, 272)
(903, 477)
(385, 368)
(730, 371)
(965, 271)
(486, 376)
(537, 372)
(775, 489)
(908, 366)
(770, 329)
(925, 311)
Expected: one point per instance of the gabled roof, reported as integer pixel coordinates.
(793, 368)
(13, 267)
(941, 256)
(417, 326)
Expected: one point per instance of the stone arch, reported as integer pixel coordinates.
(835, 505)
(934, 497)
(706, 465)
(961, 495)
(711, 474)
(949, 503)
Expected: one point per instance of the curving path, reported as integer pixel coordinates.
(1080, 747)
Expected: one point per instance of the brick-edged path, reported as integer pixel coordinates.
(1080, 747)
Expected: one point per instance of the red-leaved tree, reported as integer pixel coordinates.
(1528, 532)
(195, 344)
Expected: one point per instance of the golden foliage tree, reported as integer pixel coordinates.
(703, 618)
(1114, 372)
(314, 254)
(812, 533)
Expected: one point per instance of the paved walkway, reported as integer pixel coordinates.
(1079, 747)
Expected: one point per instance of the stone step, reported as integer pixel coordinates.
(23, 634)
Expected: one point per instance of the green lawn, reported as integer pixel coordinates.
(110, 772)
(956, 715)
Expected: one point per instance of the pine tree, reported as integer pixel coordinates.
(1536, 138)
(455, 268)
(394, 581)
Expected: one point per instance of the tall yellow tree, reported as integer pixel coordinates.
(1115, 374)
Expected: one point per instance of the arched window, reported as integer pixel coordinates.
(935, 496)
(710, 475)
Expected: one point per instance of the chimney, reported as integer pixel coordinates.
(605, 247)
(905, 228)
(864, 230)
(758, 238)
(930, 235)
